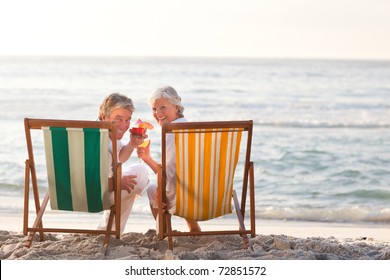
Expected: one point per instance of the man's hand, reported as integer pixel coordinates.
(136, 140)
(128, 182)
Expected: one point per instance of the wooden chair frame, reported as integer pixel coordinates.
(164, 217)
(40, 207)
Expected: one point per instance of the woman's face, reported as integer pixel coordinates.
(122, 118)
(163, 111)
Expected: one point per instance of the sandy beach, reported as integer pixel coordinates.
(275, 240)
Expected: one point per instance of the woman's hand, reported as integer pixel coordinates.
(144, 153)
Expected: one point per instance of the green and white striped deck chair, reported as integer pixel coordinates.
(77, 164)
(207, 154)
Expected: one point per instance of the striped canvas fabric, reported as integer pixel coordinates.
(205, 166)
(77, 168)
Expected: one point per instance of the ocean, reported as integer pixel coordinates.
(321, 143)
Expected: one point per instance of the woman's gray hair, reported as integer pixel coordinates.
(112, 102)
(170, 94)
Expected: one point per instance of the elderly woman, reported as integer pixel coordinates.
(166, 107)
(119, 108)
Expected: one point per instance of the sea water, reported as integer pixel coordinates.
(321, 143)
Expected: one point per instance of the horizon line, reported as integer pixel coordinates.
(194, 57)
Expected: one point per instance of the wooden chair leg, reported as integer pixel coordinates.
(161, 224)
(26, 196)
(240, 220)
(169, 230)
(252, 199)
(109, 226)
(37, 226)
(108, 229)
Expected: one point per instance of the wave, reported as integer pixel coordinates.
(11, 201)
(353, 214)
(378, 195)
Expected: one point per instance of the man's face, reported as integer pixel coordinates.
(121, 118)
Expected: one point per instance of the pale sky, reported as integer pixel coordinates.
(345, 29)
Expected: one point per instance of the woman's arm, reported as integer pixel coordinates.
(144, 154)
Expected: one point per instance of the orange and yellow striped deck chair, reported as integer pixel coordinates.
(207, 154)
(77, 165)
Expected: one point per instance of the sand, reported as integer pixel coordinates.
(275, 240)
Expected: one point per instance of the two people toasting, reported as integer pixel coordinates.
(166, 107)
